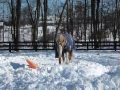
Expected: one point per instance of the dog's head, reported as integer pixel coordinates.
(61, 40)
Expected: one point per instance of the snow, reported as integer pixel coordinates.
(89, 70)
(1, 23)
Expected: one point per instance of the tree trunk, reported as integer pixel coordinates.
(37, 17)
(71, 19)
(95, 20)
(45, 22)
(13, 20)
(85, 25)
(67, 17)
(97, 24)
(18, 14)
(15, 9)
(59, 22)
(34, 19)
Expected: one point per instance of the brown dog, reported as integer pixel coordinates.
(61, 42)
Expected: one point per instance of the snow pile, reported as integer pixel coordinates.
(81, 74)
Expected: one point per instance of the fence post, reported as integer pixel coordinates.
(35, 46)
(87, 46)
(9, 46)
(115, 45)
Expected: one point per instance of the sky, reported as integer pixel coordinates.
(5, 9)
(50, 3)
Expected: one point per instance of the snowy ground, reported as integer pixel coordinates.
(89, 70)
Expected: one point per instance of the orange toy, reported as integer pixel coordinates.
(31, 64)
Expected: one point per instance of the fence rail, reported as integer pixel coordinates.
(108, 45)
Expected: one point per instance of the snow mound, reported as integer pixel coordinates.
(79, 75)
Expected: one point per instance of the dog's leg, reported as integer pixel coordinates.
(63, 56)
(67, 57)
(60, 53)
(59, 60)
(70, 55)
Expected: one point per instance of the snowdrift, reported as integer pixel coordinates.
(87, 72)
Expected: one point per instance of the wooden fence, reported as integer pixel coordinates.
(109, 45)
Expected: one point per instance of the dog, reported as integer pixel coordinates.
(64, 44)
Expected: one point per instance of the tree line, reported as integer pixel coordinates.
(86, 20)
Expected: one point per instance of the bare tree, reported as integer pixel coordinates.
(15, 9)
(95, 19)
(18, 14)
(79, 17)
(34, 19)
(60, 19)
(118, 20)
(70, 16)
(85, 12)
(45, 21)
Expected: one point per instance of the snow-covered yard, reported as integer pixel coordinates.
(89, 70)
